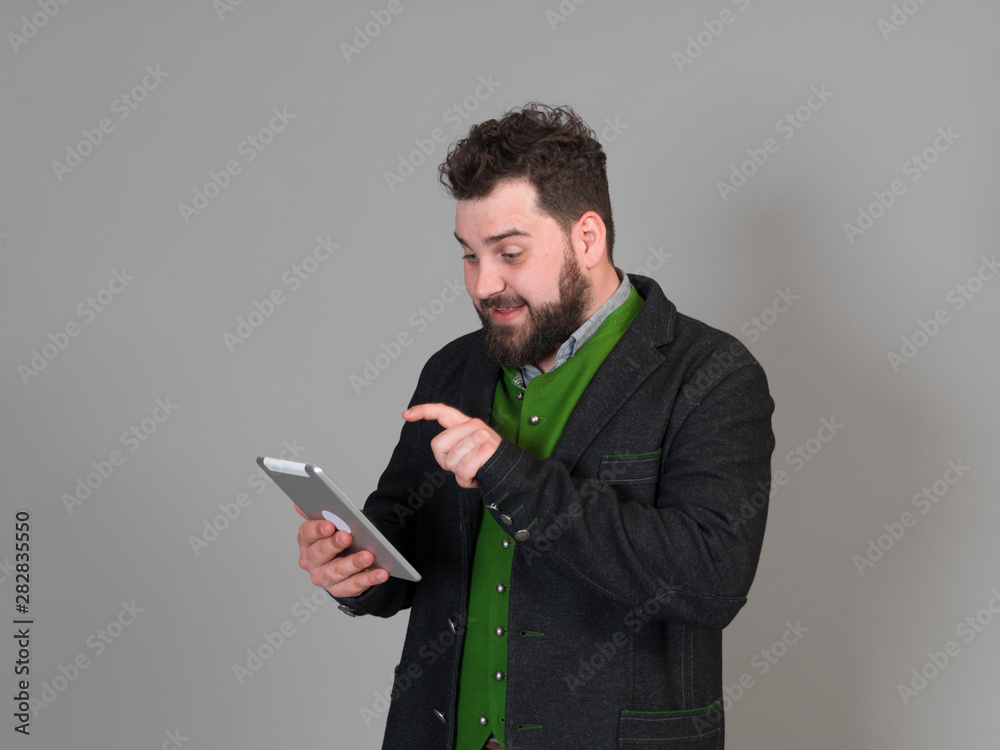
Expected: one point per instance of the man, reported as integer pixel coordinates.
(600, 466)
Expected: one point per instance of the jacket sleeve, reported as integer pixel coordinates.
(691, 554)
(388, 509)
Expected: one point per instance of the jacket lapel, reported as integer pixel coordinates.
(634, 358)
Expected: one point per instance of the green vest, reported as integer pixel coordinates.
(551, 397)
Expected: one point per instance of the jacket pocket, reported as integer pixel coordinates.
(696, 729)
(640, 468)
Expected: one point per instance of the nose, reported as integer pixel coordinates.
(488, 280)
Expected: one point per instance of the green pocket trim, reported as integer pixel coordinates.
(682, 711)
(631, 455)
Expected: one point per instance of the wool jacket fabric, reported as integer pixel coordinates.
(639, 539)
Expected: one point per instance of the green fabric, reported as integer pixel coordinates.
(552, 396)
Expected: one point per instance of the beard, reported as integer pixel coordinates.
(546, 325)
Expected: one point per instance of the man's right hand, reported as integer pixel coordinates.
(321, 548)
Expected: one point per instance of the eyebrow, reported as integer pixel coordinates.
(496, 237)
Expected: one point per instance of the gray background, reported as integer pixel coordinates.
(680, 129)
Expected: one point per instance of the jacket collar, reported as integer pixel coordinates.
(635, 357)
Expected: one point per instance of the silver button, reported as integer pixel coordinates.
(440, 716)
(534, 419)
(483, 720)
(505, 543)
(501, 588)
(505, 518)
(349, 611)
(520, 397)
(522, 535)
(452, 626)
(498, 676)
(499, 631)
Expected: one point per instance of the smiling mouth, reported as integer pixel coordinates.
(504, 313)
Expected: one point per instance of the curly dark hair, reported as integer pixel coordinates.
(552, 147)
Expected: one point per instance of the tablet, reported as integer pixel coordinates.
(319, 498)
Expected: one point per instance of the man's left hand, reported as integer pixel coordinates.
(464, 445)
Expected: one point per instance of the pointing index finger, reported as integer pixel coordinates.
(446, 416)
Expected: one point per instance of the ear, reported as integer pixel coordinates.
(589, 238)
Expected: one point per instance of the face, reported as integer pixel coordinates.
(522, 274)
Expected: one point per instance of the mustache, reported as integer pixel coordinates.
(488, 304)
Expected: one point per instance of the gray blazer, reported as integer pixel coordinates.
(638, 540)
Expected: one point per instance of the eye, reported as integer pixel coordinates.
(512, 256)
(470, 257)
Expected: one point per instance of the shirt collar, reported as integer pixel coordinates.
(583, 334)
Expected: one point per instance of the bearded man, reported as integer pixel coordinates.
(602, 467)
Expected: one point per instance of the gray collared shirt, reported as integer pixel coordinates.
(583, 334)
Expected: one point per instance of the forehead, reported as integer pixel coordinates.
(512, 203)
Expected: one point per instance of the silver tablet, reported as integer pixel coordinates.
(319, 498)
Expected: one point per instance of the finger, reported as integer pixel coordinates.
(359, 583)
(447, 416)
(299, 511)
(322, 551)
(468, 467)
(340, 569)
(453, 456)
(313, 531)
(446, 441)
